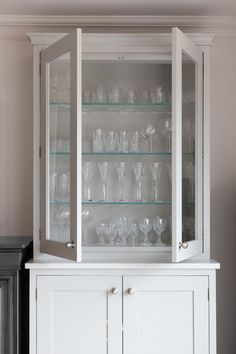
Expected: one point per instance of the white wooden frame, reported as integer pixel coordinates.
(133, 44)
(182, 44)
(69, 44)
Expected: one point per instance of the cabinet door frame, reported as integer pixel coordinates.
(46, 285)
(68, 44)
(181, 43)
(198, 285)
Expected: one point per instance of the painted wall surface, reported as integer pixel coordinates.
(16, 165)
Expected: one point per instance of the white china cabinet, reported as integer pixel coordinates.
(121, 186)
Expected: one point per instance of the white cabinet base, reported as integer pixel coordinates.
(118, 310)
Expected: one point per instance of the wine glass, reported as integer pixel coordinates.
(88, 173)
(133, 233)
(104, 169)
(148, 134)
(111, 232)
(145, 225)
(121, 171)
(64, 221)
(64, 186)
(138, 168)
(156, 168)
(86, 218)
(101, 232)
(159, 225)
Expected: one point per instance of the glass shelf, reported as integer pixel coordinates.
(124, 107)
(167, 202)
(162, 153)
(161, 202)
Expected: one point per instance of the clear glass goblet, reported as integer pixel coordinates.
(86, 218)
(101, 233)
(166, 130)
(64, 221)
(121, 171)
(156, 168)
(134, 231)
(139, 168)
(104, 169)
(148, 134)
(159, 225)
(111, 232)
(87, 173)
(145, 225)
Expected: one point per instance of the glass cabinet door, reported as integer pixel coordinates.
(60, 210)
(186, 148)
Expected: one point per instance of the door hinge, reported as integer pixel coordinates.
(36, 294)
(40, 151)
(40, 234)
(208, 294)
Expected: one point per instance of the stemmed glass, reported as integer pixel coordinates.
(104, 169)
(64, 186)
(111, 232)
(133, 233)
(64, 221)
(86, 218)
(166, 129)
(139, 168)
(145, 225)
(88, 172)
(148, 134)
(156, 168)
(159, 225)
(121, 171)
(101, 232)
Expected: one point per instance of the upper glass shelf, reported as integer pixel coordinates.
(123, 107)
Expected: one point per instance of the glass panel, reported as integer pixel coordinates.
(126, 144)
(59, 150)
(188, 147)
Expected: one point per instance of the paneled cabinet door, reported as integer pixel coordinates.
(79, 314)
(165, 315)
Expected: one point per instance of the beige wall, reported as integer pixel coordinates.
(16, 125)
(223, 187)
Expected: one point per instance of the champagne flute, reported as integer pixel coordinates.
(139, 168)
(88, 173)
(121, 171)
(104, 170)
(156, 168)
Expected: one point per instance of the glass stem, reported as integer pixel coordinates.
(139, 191)
(121, 189)
(169, 142)
(155, 190)
(104, 190)
(89, 191)
(150, 143)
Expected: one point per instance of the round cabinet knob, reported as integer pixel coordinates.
(183, 245)
(130, 291)
(70, 245)
(114, 291)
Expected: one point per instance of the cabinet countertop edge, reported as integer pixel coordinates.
(63, 264)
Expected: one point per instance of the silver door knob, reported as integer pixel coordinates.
(70, 245)
(114, 291)
(130, 291)
(183, 245)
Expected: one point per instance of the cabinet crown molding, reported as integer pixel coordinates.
(114, 21)
(126, 39)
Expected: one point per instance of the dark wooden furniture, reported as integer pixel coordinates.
(14, 294)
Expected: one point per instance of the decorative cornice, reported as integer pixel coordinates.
(117, 21)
